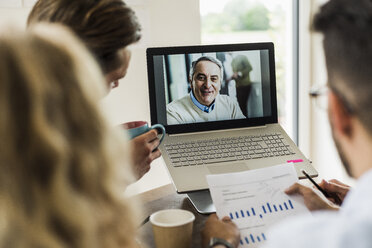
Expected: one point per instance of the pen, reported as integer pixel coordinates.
(333, 196)
(315, 184)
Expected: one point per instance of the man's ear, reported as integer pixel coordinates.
(190, 82)
(339, 116)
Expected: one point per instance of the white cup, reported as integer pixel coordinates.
(172, 228)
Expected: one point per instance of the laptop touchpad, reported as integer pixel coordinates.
(235, 167)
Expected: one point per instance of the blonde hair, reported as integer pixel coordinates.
(63, 171)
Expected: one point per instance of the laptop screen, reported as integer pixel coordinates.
(198, 88)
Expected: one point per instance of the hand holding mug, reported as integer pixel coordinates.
(136, 128)
(143, 142)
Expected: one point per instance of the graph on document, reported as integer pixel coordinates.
(268, 208)
(253, 221)
(255, 200)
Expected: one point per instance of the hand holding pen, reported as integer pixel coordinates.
(313, 200)
(334, 190)
(335, 187)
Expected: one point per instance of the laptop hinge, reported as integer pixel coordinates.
(218, 131)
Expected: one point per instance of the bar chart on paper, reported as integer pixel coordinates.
(267, 208)
(255, 200)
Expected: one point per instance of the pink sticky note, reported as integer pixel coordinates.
(295, 161)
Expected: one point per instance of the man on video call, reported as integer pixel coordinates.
(204, 103)
(347, 41)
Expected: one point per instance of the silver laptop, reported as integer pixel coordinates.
(218, 105)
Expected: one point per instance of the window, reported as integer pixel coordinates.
(241, 21)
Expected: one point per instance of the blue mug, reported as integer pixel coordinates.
(136, 128)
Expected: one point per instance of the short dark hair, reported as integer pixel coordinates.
(105, 26)
(347, 29)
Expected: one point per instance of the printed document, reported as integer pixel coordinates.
(255, 200)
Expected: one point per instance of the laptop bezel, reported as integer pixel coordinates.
(214, 125)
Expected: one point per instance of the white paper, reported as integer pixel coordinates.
(255, 200)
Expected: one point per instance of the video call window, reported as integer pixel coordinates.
(203, 87)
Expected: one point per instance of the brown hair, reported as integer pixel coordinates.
(62, 168)
(346, 26)
(105, 26)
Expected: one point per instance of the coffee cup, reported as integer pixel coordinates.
(136, 128)
(172, 228)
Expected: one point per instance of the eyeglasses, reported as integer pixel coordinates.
(318, 94)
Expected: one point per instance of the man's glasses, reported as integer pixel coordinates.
(319, 95)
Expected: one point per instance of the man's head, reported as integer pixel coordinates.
(106, 27)
(205, 78)
(347, 29)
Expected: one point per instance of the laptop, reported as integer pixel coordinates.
(236, 130)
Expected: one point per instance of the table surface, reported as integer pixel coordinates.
(166, 197)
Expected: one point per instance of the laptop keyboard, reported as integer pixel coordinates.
(212, 151)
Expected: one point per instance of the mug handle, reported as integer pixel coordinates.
(162, 129)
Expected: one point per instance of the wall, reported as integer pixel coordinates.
(14, 12)
(165, 23)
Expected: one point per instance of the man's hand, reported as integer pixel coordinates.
(224, 229)
(335, 187)
(144, 151)
(312, 200)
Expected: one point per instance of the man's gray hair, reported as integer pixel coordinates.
(205, 58)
